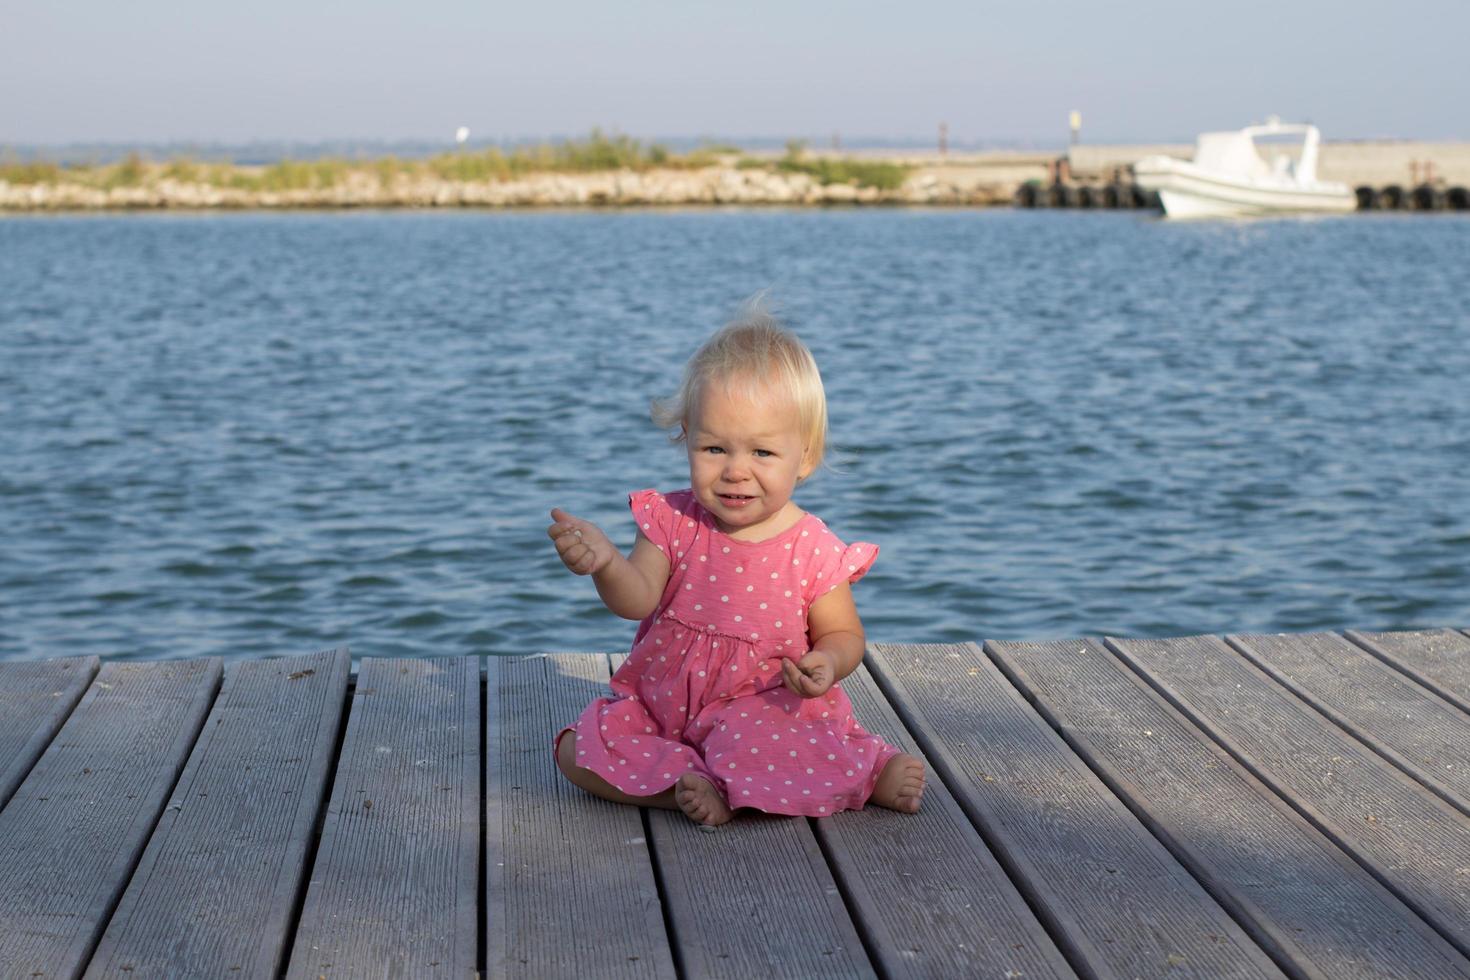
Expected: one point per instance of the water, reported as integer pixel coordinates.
(254, 434)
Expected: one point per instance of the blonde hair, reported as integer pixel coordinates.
(749, 356)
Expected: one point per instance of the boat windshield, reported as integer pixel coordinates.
(1273, 150)
(1230, 153)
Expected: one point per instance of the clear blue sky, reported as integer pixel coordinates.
(1141, 70)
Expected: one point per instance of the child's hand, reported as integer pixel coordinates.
(812, 675)
(583, 547)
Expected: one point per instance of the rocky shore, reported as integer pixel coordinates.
(626, 188)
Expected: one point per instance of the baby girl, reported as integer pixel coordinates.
(730, 695)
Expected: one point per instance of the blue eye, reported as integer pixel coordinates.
(764, 452)
(714, 449)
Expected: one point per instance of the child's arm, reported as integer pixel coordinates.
(630, 587)
(837, 645)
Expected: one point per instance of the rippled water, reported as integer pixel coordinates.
(261, 434)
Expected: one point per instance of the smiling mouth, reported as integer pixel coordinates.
(734, 496)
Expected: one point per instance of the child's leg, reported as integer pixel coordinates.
(586, 779)
(694, 795)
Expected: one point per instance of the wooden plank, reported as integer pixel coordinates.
(1421, 733)
(1110, 894)
(753, 897)
(1437, 659)
(74, 828)
(217, 887)
(569, 884)
(35, 699)
(1410, 840)
(393, 889)
(1297, 893)
(926, 893)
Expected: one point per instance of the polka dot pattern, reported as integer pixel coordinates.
(704, 672)
(800, 565)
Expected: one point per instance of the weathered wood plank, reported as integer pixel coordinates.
(569, 883)
(1418, 731)
(217, 886)
(35, 699)
(1297, 893)
(393, 889)
(1110, 894)
(753, 897)
(1437, 659)
(76, 825)
(1412, 841)
(927, 894)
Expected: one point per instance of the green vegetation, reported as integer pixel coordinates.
(129, 173)
(184, 170)
(387, 170)
(830, 170)
(39, 172)
(826, 170)
(298, 175)
(598, 152)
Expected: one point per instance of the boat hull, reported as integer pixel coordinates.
(1186, 192)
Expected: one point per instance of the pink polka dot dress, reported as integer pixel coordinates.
(701, 690)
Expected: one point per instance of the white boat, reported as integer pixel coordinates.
(1228, 176)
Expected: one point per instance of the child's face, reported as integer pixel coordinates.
(746, 456)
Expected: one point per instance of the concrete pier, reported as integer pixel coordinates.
(1375, 163)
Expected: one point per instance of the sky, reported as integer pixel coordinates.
(154, 71)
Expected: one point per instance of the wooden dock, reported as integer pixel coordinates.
(1247, 806)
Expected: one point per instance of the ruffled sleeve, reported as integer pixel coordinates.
(834, 563)
(655, 517)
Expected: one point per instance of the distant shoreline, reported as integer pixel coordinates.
(602, 170)
(617, 172)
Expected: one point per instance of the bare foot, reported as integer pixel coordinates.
(700, 801)
(900, 785)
